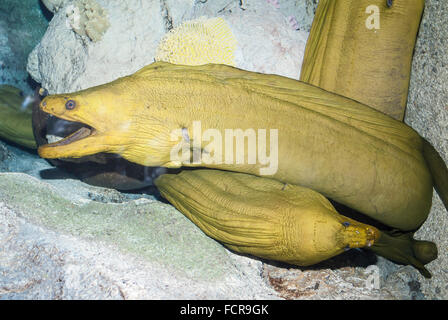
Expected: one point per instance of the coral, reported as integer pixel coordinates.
(88, 18)
(198, 42)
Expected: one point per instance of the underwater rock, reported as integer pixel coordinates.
(16, 159)
(176, 11)
(62, 62)
(4, 156)
(427, 113)
(348, 282)
(299, 13)
(55, 247)
(22, 25)
(271, 46)
(59, 244)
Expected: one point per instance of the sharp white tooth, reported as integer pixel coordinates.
(52, 138)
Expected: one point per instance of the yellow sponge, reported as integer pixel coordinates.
(198, 42)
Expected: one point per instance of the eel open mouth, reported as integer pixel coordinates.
(101, 169)
(68, 140)
(81, 133)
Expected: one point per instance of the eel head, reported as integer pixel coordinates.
(104, 118)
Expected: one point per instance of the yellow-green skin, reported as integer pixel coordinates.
(264, 217)
(15, 123)
(346, 54)
(343, 149)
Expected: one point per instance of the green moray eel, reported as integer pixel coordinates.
(363, 50)
(278, 221)
(15, 122)
(341, 148)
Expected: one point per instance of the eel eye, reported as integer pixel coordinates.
(70, 105)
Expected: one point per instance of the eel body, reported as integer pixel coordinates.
(278, 221)
(341, 148)
(15, 122)
(264, 217)
(363, 50)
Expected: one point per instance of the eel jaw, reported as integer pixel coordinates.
(81, 143)
(81, 133)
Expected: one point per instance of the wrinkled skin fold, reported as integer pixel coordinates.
(282, 222)
(264, 217)
(341, 148)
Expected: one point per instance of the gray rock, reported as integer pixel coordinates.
(65, 61)
(54, 5)
(404, 284)
(56, 248)
(427, 113)
(298, 13)
(175, 12)
(16, 159)
(350, 276)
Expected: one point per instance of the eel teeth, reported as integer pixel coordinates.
(82, 133)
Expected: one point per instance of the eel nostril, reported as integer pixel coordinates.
(43, 92)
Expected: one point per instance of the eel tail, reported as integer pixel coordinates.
(404, 249)
(438, 169)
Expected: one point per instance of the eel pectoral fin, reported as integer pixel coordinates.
(75, 149)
